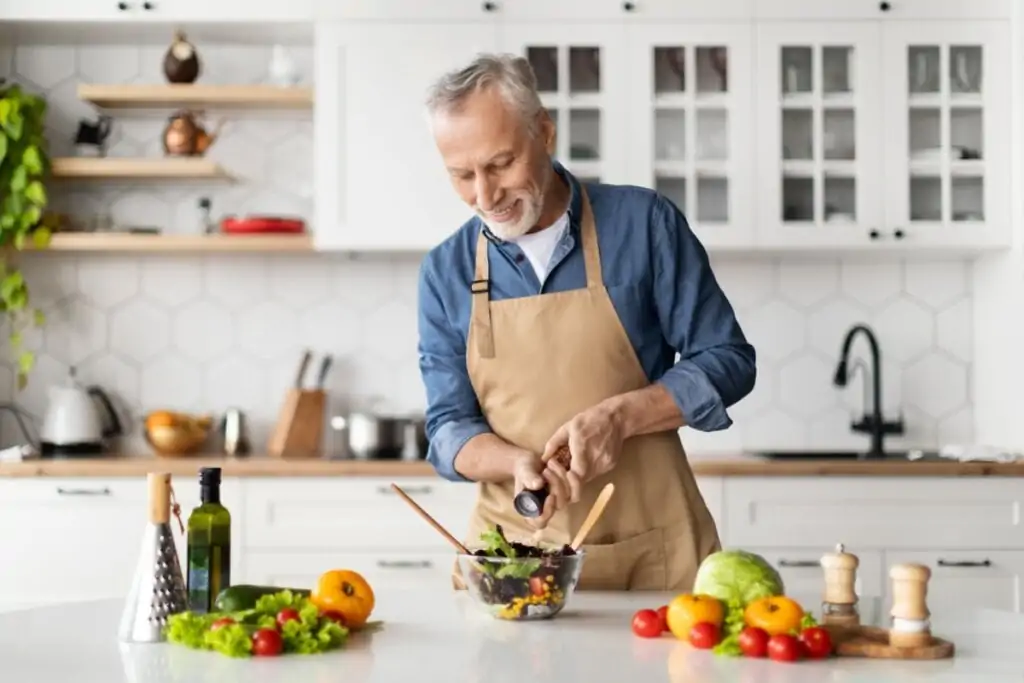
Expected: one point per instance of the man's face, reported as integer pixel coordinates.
(496, 166)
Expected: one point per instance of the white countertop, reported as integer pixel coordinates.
(440, 636)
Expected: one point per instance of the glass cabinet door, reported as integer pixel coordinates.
(948, 103)
(581, 84)
(819, 113)
(691, 118)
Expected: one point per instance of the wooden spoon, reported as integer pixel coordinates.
(593, 515)
(433, 522)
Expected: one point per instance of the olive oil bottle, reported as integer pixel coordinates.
(209, 545)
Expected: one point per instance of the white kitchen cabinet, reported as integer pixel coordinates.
(801, 572)
(839, 10)
(157, 10)
(982, 579)
(380, 181)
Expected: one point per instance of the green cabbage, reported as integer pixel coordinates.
(737, 576)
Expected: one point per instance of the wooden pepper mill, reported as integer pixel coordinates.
(839, 602)
(910, 616)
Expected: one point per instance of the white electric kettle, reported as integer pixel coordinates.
(78, 421)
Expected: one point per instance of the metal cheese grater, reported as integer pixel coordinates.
(158, 589)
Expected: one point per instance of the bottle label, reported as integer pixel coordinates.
(209, 572)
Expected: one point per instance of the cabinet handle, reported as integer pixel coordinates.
(874, 234)
(147, 5)
(799, 563)
(884, 6)
(122, 6)
(965, 563)
(490, 7)
(405, 564)
(83, 492)
(384, 490)
(628, 6)
(898, 234)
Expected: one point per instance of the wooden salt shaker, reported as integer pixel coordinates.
(910, 616)
(839, 602)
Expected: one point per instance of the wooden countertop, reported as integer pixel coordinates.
(263, 466)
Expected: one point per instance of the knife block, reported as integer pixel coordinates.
(300, 425)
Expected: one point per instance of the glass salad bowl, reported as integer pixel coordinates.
(519, 582)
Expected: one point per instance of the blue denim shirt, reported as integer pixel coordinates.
(660, 283)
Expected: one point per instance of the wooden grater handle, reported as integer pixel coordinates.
(909, 591)
(159, 497)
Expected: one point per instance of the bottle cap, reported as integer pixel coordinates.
(209, 476)
(530, 503)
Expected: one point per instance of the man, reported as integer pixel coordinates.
(553, 318)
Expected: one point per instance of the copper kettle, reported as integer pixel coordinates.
(184, 135)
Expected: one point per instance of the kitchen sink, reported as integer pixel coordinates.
(816, 454)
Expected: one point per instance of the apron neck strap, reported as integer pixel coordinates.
(588, 236)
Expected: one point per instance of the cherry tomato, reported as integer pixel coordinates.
(287, 614)
(536, 585)
(266, 642)
(784, 648)
(817, 642)
(647, 624)
(221, 623)
(704, 635)
(335, 617)
(753, 642)
(663, 615)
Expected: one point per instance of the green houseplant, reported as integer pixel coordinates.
(24, 168)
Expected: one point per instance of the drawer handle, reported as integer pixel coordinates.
(384, 490)
(966, 563)
(799, 563)
(405, 564)
(83, 492)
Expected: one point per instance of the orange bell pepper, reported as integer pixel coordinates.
(345, 593)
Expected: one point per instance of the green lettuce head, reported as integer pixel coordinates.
(737, 577)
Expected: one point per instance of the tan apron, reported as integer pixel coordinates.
(537, 361)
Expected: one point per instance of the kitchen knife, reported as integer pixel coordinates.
(325, 366)
(300, 377)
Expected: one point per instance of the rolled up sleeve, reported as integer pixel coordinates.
(453, 413)
(716, 366)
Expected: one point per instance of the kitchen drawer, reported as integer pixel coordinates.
(804, 578)
(69, 539)
(875, 512)
(353, 514)
(965, 579)
(394, 576)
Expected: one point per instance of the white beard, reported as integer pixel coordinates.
(532, 206)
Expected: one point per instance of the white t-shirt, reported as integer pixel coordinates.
(539, 246)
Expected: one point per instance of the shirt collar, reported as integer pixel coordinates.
(575, 204)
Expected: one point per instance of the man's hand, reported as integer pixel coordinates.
(594, 438)
(530, 472)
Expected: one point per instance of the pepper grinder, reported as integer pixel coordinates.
(910, 616)
(530, 503)
(839, 602)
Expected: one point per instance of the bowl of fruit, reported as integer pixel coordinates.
(517, 581)
(175, 434)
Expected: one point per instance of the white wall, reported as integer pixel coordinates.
(203, 333)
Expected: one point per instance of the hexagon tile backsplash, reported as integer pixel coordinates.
(206, 333)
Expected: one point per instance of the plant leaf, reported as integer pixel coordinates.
(26, 361)
(41, 237)
(35, 192)
(31, 160)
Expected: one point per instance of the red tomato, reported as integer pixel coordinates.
(663, 615)
(334, 616)
(536, 585)
(287, 614)
(221, 623)
(784, 648)
(266, 642)
(753, 642)
(704, 635)
(817, 642)
(647, 624)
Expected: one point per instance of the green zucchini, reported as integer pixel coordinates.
(244, 596)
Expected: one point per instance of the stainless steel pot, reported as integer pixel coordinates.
(365, 436)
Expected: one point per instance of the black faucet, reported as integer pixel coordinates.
(872, 424)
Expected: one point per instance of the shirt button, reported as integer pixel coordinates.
(520, 258)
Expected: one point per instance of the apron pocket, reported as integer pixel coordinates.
(635, 563)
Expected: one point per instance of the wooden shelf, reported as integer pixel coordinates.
(150, 96)
(127, 242)
(156, 168)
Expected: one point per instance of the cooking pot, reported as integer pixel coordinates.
(366, 436)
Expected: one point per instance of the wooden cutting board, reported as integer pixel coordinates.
(873, 643)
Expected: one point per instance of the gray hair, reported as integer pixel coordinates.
(510, 74)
